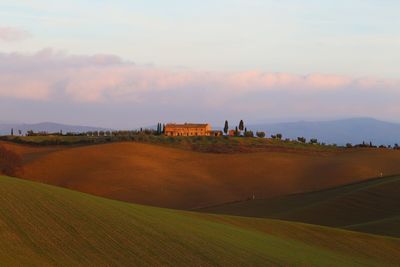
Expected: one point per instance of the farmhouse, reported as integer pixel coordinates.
(189, 129)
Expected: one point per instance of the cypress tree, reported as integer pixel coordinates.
(241, 125)
(226, 127)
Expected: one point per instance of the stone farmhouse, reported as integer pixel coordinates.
(190, 129)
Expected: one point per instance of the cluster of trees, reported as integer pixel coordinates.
(12, 132)
(160, 130)
(10, 162)
(370, 145)
(241, 130)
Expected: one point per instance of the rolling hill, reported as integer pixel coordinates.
(43, 225)
(175, 178)
(370, 206)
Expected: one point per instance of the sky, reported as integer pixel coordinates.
(125, 64)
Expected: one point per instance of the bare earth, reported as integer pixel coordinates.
(175, 178)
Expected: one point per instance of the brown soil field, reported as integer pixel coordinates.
(371, 206)
(176, 178)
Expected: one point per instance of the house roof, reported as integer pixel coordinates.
(186, 125)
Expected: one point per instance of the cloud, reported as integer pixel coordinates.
(10, 34)
(50, 74)
(49, 85)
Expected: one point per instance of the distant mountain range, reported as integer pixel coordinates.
(5, 128)
(339, 132)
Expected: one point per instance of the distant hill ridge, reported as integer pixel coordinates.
(355, 131)
(5, 128)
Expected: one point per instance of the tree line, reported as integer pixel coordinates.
(239, 130)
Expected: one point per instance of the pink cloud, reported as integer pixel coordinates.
(10, 34)
(49, 74)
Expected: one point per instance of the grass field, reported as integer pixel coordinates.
(41, 225)
(176, 178)
(370, 206)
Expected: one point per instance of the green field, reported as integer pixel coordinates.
(371, 206)
(42, 225)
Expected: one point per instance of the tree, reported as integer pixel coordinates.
(236, 131)
(260, 134)
(163, 129)
(241, 125)
(301, 139)
(12, 131)
(279, 136)
(249, 134)
(313, 141)
(158, 131)
(226, 127)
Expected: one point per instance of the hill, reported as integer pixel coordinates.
(47, 226)
(175, 178)
(339, 132)
(369, 206)
(51, 127)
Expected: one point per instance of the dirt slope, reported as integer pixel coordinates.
(371, 206)
(48, 226)
(167, 177)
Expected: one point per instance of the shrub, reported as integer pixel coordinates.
(260, 134)
(313, 141)
(349, 145)
(10, 162)
(301, 139)
(279, 136)
(249, 134)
